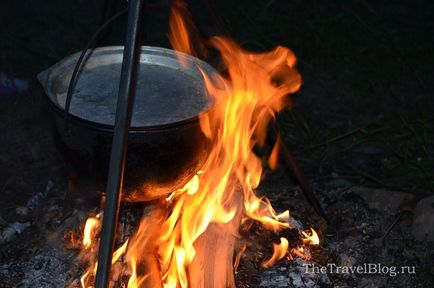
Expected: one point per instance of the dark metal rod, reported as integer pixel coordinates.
(311, 198)
(108, 11)
(124, 108)
(89, 44)
(289, 159)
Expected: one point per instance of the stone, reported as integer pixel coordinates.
(381, 199)
(339, 182)
(423, 223)
(22, 214)
(12, 230)
(301, 276)
(424, 205)
(371, 282)
(346, 260)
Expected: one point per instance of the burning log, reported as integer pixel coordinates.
(189, 238)
(213, 265)
(142, 254)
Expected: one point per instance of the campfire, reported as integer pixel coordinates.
(150, 164)
(190, 238)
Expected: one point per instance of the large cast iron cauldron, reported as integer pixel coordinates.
(165, 146)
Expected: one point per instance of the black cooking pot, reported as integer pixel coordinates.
(166, 145)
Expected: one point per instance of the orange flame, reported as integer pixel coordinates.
(257, 88)
(279, 252)
(89, 244)
(180, 24)
(245, 103)
(89, 229)
(312, 239)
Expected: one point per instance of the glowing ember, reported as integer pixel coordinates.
(257, 87)
(312, 239)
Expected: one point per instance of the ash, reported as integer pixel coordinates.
(293, 274)
(367, 226)
(36, 256)
(374, 239)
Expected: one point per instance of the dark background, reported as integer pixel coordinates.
(363, 115)
(363, 118)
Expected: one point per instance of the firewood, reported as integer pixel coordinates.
(213, 265)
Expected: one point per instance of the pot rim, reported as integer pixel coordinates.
(46, 79)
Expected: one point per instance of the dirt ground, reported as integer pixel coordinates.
(364, 115)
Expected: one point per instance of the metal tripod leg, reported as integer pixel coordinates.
(124, 109)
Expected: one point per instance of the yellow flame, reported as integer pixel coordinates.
(257, 87)
(312, 239)
(244, 105)
(89, 243)
(280, 251)
(134, 280)
(119, 252)
(91, 224)
(83, 279)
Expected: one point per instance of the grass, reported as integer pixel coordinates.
(366, 71)
(401, 158)
(366, 66)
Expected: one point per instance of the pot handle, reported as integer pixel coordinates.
(43, 77)
(85, 54)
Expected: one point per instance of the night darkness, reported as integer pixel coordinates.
(361, 127)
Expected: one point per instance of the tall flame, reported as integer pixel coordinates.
(257, 87)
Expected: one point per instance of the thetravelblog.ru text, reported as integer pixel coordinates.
(366, 268)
